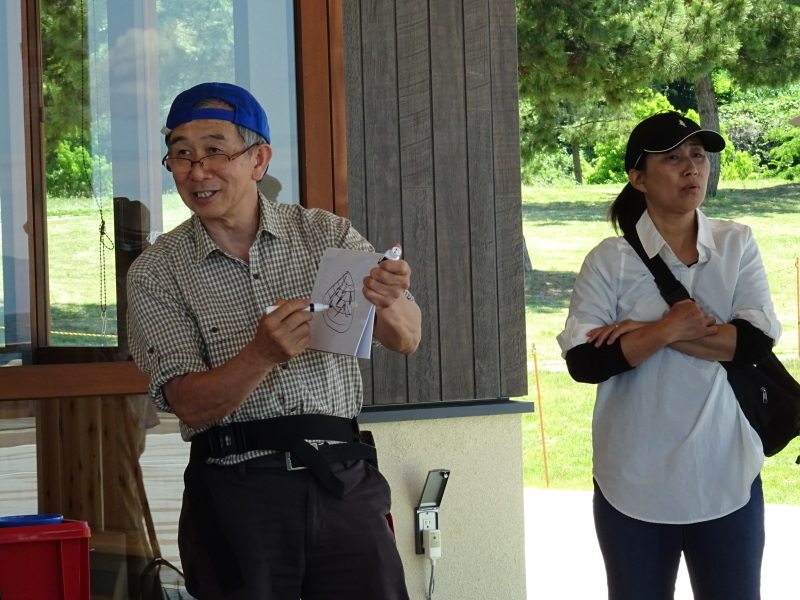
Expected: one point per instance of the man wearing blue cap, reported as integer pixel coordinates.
(282, 499)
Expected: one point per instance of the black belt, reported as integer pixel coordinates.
(330, 452)
(288, 435)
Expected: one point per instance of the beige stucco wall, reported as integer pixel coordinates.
(481, 518)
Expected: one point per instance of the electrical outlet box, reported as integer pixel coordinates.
(426, 520)
(427, 513)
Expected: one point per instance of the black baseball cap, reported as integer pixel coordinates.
(247, 111)
(663, 132)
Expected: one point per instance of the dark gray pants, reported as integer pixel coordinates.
(291, 538)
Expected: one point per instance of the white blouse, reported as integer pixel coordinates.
(670, 442)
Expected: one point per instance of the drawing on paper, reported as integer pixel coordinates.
(346, 327)
(340, 297)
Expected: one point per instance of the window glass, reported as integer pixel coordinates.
(18, 491)
(15, 322)
(123, 480)
(107, 93)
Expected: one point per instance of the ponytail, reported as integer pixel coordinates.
(626, 210)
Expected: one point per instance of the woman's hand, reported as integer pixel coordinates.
(610, 333)
(685, 328)
(686, 321)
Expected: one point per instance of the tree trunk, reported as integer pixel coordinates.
(576, 161)
(709, 119)
(527, 266)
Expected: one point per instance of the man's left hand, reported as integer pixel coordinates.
(387, 282)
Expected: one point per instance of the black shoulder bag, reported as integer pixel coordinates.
(767, 393)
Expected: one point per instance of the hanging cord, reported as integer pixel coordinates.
(432, 584)
(106, 243)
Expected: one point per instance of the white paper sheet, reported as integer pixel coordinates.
(346, 327)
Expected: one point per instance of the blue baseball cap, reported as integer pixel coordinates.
(247, 111)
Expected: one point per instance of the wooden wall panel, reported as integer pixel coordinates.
(88, 452)
(508, 197)
(432, 134)
(384, 216)
(419, 211)
(452, 208)
(354, 120)
(482, 208)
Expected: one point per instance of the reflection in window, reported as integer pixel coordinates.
(125, 482)
(15, 322)
(18, 491)
(107, 93)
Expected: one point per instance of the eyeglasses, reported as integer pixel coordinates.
(212, 162)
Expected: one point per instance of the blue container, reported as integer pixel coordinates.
(25, 520)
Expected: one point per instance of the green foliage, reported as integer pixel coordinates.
(195, 44)
(581, 64)
(70, 170)
(756, 122)
(609, 166)
(609, 163)
(737, 165)
(65, 75)
(769, 53)
(786, 157)
(547, 168)
(575, 70)
(577, 49)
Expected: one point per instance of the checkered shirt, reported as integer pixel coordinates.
(193, 307)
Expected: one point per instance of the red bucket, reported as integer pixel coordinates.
(45, 561)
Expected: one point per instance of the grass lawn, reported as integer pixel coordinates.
(77, 272)
(560, 226)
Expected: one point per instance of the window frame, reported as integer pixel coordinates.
(322, 143)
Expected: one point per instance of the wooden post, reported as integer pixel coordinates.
(797, 298)
(541, 414)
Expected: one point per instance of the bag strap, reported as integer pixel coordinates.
(671, 289)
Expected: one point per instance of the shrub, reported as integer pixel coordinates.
(71, 171)
(609, 164)
(756, 122)
(738, 165)
(547, 168)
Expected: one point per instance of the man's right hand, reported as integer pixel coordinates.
(205, 397)
(285, 332)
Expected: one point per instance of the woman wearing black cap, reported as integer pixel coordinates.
(676, 464)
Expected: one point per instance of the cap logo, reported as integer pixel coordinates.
(681, 123)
